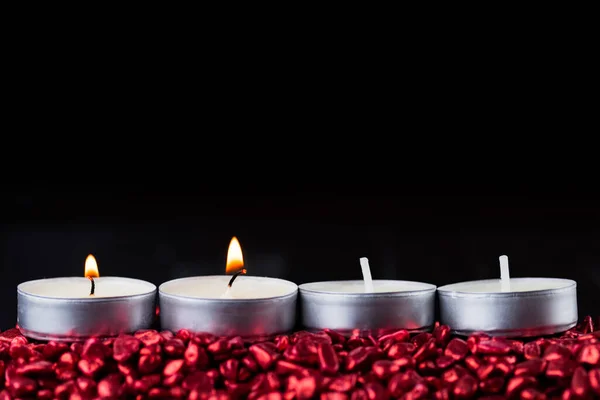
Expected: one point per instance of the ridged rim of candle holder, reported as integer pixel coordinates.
(304, 288)
(445, 290)
(89, 299)
(219, 300)
(518, 332)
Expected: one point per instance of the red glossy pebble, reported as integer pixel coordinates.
(305, 365)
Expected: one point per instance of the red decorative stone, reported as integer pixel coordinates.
(465, 387)
(336, 337)
(441, 333)
(305, 365)
(557, 352)
(306, 388)
(532, 394)
(8, 335)
(492, 385)
(533, 367)
(376, 391)
(174, 347)
(281, 342)
(334, 396)
(442, 394)
(580, 384)
(457, 349)
(173, 367)
(195, 356)
(21, 386)
(328, 359)
(148, 363)
(532, 350)
(360, 358)
(344, 383)
(90, 368)
(125, 347)
(398, 350)
(473, 363)
(589, 354)
(594, 380)
(402, 382)
(426, 350)
(517, 384)
(110, 387)
(560, 369)
(36, 369)
(229, 369)
(53, 350)
(149, 337)
(398, 336)
(265, 354)
(421, 338)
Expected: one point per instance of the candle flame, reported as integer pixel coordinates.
(91, 267)
(235, 258)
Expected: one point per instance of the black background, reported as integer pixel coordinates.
(436, 233)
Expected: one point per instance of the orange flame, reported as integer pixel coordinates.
(91, 267)
(235, 258)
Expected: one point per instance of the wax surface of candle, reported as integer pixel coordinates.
(356, 287)
(79, 288)
(213, 287)
(516, 285)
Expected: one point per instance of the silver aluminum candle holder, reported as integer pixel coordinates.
(535, 307)
(263, 307)
(50, 317)
(411, 308)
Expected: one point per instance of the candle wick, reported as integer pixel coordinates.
(366, 271)
(240, 272)
(93, 289)
(504, 274)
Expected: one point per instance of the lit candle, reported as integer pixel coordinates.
(235, 304)
(509, 306)
(370, 306)
(74, 308)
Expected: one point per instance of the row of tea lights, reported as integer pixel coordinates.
(254, 307)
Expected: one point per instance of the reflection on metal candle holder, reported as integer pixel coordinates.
(548, 306)
(263, 316)
(78, 318)
(410, 306)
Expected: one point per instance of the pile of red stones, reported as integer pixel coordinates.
(151, 364)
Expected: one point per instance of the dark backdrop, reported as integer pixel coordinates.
(432, 233)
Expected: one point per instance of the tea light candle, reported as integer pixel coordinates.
(241, 305)
(369, 306)
(77, 308)
(509, 307)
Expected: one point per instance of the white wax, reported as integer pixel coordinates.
(215, 287)
(516, 285)
(358, 287)
(79, 288)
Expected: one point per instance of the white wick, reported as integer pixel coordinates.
(366, 271)
(504, 274)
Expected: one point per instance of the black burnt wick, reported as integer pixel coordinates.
(240, 272)
(93, 289)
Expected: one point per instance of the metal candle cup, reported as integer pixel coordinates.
(61, 308)
(393, 305)
(533, 307)
(253, 307)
